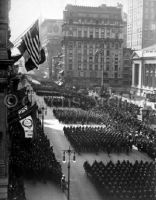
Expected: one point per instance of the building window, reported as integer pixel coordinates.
(85, 33)
(70, 46)
(79, 33)
(102, 33)
(85, 51)
(107, 66)
(96, 67)
(108, 53)
(90, 67)
(84, 66)
(97, 33)
(70, 54)
(79, 44)
(116, 46)
(90, 58)
(116, 68)
(85, 46)
(108, 33)
(70, 33)
(91, 34)
(115, 75)
(70, 66)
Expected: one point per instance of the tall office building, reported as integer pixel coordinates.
(141, 24)
(86, 30)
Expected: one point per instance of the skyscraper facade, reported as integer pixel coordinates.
(141, 24)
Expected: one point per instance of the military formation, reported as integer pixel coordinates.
(124, 180)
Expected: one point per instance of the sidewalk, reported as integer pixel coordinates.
(43, 191)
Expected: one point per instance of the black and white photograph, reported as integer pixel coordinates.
(77, 99)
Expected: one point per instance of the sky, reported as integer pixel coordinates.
(24, 12)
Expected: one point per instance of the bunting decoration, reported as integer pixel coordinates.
(27, 123)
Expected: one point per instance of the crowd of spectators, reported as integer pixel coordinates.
(125, 121)
(124, 180)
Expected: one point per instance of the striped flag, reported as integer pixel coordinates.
(32, 42)
(31, 48)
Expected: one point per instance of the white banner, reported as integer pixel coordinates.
(27, 124)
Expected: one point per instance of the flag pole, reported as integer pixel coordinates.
(16, 41)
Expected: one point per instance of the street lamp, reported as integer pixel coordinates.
(69, 152)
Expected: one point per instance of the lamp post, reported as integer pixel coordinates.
(69, 152)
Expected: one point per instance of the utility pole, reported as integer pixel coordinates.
(69, 152)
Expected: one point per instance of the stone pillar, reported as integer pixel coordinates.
(140, 77)
(133, 74)
(4, 65)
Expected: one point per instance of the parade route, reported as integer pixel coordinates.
(81, 186)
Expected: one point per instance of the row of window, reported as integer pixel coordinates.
(95, 21)
(91, 34)
(105, 74)
(86, 47)
(95, 66)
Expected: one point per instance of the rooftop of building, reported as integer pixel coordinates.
(51, 21)
(146, 52)
(100, 8)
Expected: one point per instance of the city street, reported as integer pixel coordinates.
(81, 186)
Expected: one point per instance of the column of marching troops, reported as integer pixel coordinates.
(35, 159)
(30, 158)
(122, 131)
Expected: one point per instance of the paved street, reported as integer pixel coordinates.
(81, 186)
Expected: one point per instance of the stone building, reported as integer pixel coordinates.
(144, 71)
(86, 30)
(141, 24)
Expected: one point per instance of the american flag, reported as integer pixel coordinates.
(30, 48)
(32, 43)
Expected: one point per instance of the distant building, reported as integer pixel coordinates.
(141, 24)
(51, 37)
(144, 71)
(86, 30)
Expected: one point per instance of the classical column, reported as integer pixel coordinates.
(133, 74)
(140, 77)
